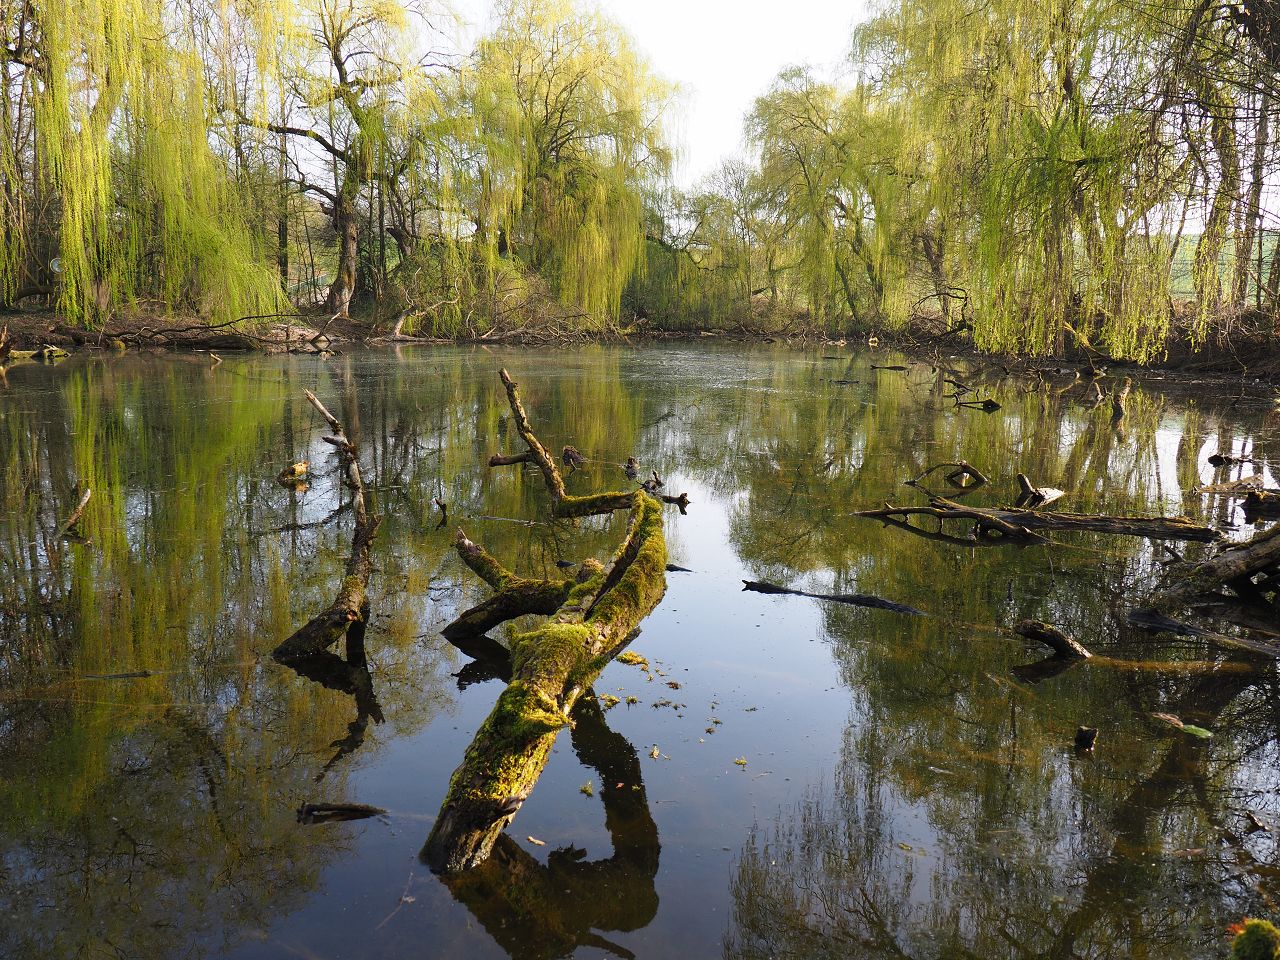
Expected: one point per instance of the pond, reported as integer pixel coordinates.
(789, 777)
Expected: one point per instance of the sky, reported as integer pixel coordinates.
(723, 54)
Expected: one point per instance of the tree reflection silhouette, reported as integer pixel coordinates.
(538, 911)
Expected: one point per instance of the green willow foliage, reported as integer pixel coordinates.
(1052, 173)
(219, 157)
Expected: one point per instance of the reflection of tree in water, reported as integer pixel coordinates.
(349, 675)
(173, 846)
(830, 879)
(537, 911)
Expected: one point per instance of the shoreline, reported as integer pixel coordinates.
(309, 333)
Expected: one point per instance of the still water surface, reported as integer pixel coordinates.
(904, 792)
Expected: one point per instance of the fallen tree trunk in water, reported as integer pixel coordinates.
(1250, 569)
(1063, 647)
(350, 605)
(552, 665)
(1014, 525)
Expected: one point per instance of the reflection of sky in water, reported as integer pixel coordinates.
(897, 774)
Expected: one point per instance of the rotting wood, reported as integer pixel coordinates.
(1031, 497)
(853, 599)
(1014, 525)
(552, 665)
(1235, 567)
(498, 460)
(351, 604)
(1063, 647)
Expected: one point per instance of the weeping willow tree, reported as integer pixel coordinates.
(1052, 175)
(112, 185)
(583, 109)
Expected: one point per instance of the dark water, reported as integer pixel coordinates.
(904, 792)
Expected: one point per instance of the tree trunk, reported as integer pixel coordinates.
(346, 223)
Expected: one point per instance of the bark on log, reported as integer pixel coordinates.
(1063, 647)
(1031, 497)
(1010, 524)
(350, 605)
(551, 665)
(1236, 566)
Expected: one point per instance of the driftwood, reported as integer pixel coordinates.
(350, 605)
(1031, 497)
(1014, 525)
(498, 460)
(552, 665)
(853, 599)
(1250, 569)
(1063, 647)
(72, 520)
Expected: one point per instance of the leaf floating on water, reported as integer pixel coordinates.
(587, 789)
(655, 752)
(741, 761)
(608, 701)
(905, 846)
(536, 841)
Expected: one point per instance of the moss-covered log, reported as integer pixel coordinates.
(551, 665)
(1249, 569)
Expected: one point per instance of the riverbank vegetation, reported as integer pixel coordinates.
(1044, 178)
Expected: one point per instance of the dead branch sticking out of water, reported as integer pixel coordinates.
(1031, 497)
(552, 665)
(991, 525)
(72, 520)
(853, 599)
(1063, 647)
(351, 604)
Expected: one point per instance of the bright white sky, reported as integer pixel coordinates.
(723, 54)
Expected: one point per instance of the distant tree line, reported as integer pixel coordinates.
(1051, 173)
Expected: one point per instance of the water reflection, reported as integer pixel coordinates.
(538, 911)
(152, 756)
